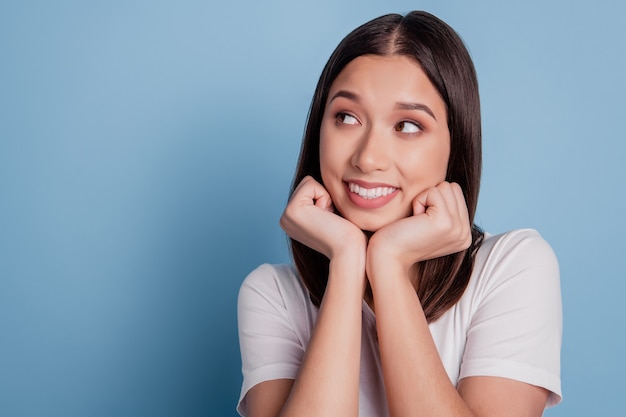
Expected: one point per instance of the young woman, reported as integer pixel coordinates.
(398, 304)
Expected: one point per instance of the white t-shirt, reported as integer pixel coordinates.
(508, 323)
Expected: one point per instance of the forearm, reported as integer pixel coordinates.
(328, 381)
(416, 382)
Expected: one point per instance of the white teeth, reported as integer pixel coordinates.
(370, 193)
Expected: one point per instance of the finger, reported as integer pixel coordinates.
(460, 201)
(319, 195)
(463, 215)
(458, 205)
(430, 200)
(311, 192)
(323, 201)
(298, 190)
(419, 203)
(449, 198)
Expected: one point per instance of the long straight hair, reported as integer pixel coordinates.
(440, 52)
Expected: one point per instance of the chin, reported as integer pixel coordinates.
(369, 225)
(370, 221)
(371, 229)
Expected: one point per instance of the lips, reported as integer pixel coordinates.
(370, 195)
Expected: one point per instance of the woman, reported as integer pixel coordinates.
(398, 304)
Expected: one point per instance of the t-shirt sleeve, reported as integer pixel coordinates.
(271, 347)
(515, 331)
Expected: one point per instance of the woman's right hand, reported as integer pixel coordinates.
(328, 380)
(310, 219)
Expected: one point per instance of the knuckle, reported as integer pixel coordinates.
(284, 221)
(466, 238)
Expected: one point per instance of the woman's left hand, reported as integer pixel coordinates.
(439, 226)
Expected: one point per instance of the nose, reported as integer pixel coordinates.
(372, 153)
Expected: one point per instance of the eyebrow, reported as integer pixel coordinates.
(346, 94)
(416, 106)
(400, 105)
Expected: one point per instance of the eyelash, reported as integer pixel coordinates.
(342, 114)
(420, 128)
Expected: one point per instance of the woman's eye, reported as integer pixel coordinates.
(345, 118)
(408, 127)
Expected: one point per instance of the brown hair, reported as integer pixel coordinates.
(440, 52)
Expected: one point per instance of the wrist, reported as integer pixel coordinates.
(385, 260)
(350, 247)
(390, 282)
(347, 271)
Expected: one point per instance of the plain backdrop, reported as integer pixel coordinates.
(146, 152)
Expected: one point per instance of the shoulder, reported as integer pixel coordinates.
(513, 252)
(516, 273)
(270, 276)
(523, 241)
(275, 319)
(274, 285)
(513, 306)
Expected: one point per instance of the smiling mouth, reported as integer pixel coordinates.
(370, 193)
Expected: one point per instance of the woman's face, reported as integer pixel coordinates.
(383, 140)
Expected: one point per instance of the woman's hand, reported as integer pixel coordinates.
(439, 226)
(310, 219)
(327, 383)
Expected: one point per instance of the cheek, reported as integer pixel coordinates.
(323, 139)
(425, 167)
(324, 153)
(327, 162)
(330, 154)
(440, 163)
(439, 157)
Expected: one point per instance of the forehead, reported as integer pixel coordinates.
(394, 78)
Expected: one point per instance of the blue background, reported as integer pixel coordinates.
(146, 151)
